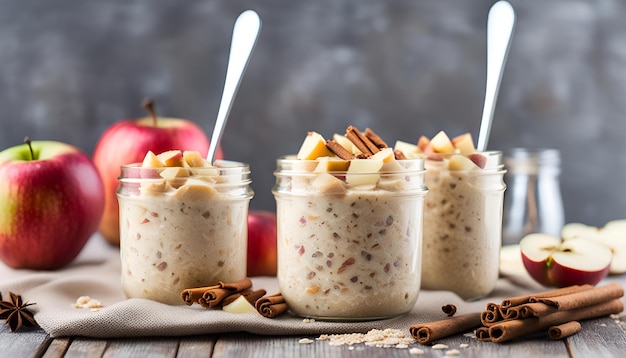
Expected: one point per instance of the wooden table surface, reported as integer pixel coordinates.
(604, 337)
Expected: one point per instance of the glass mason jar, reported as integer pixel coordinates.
(189, 230)
(349, 244)
(463, 225)
(532, 202)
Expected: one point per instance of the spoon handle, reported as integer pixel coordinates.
(245, 34)
(500, 23)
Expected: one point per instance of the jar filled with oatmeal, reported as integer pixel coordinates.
(463, 223)
(349, 235)
(182, 227)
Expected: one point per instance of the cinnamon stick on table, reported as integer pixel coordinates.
(428, 332)
(564, 330)
(518, 300)
(271, 306)
(211, 296)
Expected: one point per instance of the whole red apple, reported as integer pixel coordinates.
(261, 243)
(127, 142)
(51, 200)
(553, 262)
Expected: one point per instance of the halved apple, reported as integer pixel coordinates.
(560, 263)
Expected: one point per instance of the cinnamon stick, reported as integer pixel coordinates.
(250, 295)
(518, 300)
(564, 330)
(449, 310)
(512, 329)
(363, 143)
(378, 141)
(583, 298)
(428, 332)
(491, 314)
(339, 150)
(211, 296)
(271, 306)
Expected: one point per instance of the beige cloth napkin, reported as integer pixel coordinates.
(96, 273)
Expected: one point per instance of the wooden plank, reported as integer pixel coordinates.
(603, 337)
(28, 342)
(142, 347)
(196, 346)
(57, 347)
(86, 347)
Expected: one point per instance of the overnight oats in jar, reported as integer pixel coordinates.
(183, 224)
(349, 229)
(462, 217)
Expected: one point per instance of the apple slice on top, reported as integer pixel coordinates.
(560, 263)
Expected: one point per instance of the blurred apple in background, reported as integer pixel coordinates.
(128, 141)
(51, 202)
(261, 243)
(557, 263)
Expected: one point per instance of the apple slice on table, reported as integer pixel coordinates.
(560, 263)
(612, 235)
(240, 306)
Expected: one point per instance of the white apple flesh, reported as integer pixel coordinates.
(612, 235)
(556, 263)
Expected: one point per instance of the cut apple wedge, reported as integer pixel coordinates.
(464, 143)
(441, 143)
(313, 147)
(329, 184)
(423, 142)
(553, 262)
(172, 158)
(239, 306)
(410, 150)
(363, 171)
(331, 164)
(151, 161)
(461, 162)
(194, 159)
(346, 143)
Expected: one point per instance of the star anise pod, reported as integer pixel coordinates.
(16, 313)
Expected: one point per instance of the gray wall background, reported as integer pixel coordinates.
(69, 69)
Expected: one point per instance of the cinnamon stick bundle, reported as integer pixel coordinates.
(518, 300)
(271, 306)
(211, 296)
(428, 332)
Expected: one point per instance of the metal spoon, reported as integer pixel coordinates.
(500, 23)
(245, 34)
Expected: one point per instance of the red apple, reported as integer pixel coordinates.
(127, 142)
(261, 243)
(553, 262)
(51, 200)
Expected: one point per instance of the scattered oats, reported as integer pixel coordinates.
(470, 334)
(453, 352)
(602, 324)
(416, 351)
(87, 302)
(615, 317)
(305, 341)
(308, 320)
(95, 310)
(463, 345)
(351, 348)
(386, 338)
(440, 346)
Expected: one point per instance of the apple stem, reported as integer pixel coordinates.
(30, 147)
(148, 104)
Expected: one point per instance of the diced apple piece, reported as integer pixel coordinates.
(478, 159)
(151, 161)
(195, 190)
(313, 147)
(194, 159)
(240, 306)
(346, 143)
(385, 154)
(172, 158)
(363, 171)
(174, 172)
(441, 143)
(423, 142)
(461, 162)
(327, 183)
(464, 143)
(410, 150)
(331, 164)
